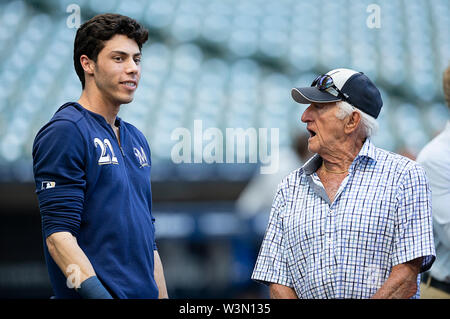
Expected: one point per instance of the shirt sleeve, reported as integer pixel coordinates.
(413, 236)
(59, 173)
(271, 264)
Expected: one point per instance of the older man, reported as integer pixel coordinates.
(355, 220)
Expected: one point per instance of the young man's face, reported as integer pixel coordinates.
(118, 69)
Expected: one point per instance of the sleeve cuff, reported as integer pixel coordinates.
(267, 279)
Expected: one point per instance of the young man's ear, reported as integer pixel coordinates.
(87, 64)
(352, 122)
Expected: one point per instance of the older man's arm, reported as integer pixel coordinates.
(402, 282)
(282, 292)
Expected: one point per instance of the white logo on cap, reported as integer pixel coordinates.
(340, 76)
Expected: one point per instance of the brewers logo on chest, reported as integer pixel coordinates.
(140, 154)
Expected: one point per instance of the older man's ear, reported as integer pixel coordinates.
(352, 122)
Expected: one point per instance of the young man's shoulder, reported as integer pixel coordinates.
(66, 117)
(65, 126)
(69, 111)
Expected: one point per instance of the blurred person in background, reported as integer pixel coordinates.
(355, 220)
(258, 194)
(435, 158)
(92, 174)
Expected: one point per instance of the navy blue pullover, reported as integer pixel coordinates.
(100, 192)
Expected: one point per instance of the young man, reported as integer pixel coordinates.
(92, 173)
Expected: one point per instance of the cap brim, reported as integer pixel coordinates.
(312, 94)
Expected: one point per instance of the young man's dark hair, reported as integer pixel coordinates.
(92, 34)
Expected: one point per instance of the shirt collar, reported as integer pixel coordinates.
(94, 115)
(312, 164)
(368, 150)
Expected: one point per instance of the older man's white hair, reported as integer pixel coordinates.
(368, 124)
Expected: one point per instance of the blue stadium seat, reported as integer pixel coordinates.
(230, 64)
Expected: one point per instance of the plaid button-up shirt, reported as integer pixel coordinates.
(380, 217)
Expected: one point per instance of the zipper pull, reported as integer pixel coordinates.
(121, 149)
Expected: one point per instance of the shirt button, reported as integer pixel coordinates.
(329, 272)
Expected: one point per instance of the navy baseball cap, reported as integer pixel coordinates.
(352, 86)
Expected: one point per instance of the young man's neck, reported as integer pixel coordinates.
(95, 102)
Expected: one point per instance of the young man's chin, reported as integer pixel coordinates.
(125, 99)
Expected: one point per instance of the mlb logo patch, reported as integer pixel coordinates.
(48, 184)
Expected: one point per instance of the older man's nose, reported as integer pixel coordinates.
(306, 116)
